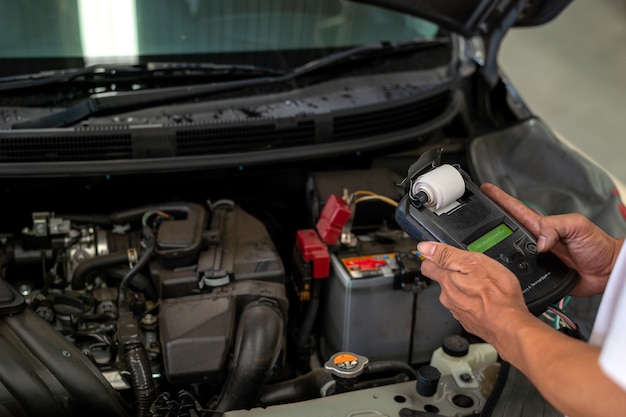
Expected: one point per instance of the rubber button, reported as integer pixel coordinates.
(531, 247)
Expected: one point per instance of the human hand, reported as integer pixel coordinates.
(481, 293)
(578, 242)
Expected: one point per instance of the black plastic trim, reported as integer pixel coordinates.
(234, 160)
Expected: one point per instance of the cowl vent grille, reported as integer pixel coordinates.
(80, 147)
(400, 112)
(247, 137)
(387, 119)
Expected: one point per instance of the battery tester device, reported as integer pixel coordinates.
(443, 204)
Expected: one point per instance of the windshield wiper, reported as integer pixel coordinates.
(102, 103)
(150, 70)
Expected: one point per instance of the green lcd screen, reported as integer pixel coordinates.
(490, 239)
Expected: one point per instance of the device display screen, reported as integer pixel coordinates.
(490, 239)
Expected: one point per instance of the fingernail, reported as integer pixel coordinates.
(426, 248)
(541, 243)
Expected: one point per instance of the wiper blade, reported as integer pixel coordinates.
(110, 73)
(102, 103)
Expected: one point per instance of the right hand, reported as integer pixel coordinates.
(578, 242)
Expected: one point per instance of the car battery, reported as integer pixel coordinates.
(364, 312)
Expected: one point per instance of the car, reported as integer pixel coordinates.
(202, 205)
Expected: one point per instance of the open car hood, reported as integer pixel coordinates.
(488, 19)
(477, 17)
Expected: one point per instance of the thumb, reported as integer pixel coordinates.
(543, 244)
(551, 229)
(443, 255)
(427, 249)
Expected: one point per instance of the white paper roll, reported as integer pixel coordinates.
(443, 186)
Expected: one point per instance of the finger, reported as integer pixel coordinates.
(434, 271)
(448, 281)
(517, 209)
(454, 284)
(445, 256)
(548, 234)
(564, 227)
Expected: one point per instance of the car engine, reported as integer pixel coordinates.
(189, 308)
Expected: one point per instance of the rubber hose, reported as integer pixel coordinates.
(257, 347)
(391, 367)
(140, 282)
(86, 268)
(313, 384)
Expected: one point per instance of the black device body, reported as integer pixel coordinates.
(478, 224)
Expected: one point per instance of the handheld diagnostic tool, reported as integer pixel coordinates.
(443, 204)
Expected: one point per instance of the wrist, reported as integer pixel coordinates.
(509, 330)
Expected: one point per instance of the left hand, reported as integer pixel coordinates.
(579, 243)
(480, 292)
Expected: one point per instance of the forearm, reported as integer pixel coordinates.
(486, 298)
(565, 370)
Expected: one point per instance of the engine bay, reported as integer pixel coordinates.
(204, 307)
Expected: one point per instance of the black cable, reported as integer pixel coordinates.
(412, 333)
(150, 244)
(306, 328)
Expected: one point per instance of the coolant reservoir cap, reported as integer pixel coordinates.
(455, 345)
(346, 365)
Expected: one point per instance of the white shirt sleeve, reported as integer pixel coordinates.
(609, 329)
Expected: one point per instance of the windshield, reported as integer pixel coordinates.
(179, 79)
(37, 35)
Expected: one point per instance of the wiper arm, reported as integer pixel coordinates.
(111, 73)
(119, 101)
(101, 103)
(360, 52)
